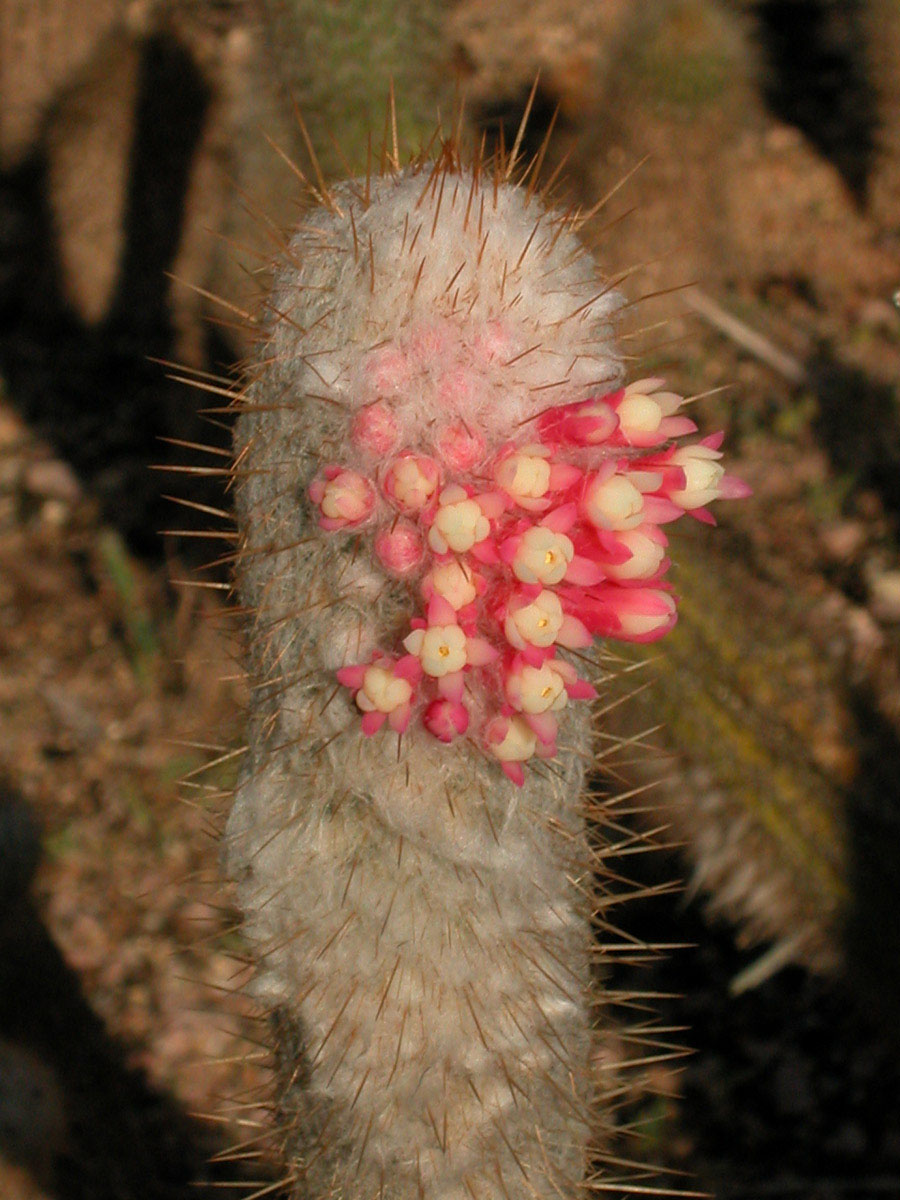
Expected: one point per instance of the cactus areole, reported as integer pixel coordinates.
(445, 492)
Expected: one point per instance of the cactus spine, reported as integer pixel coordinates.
(427, 488)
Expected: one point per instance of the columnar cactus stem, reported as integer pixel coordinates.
(443, 495)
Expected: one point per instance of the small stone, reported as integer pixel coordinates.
(884, 590)
(842, 540)
(52, 479)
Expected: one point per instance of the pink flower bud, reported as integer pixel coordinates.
(387, 370)
(375, 430)
(460, 447)
(588, 423)
(446, 719)
(399, 548)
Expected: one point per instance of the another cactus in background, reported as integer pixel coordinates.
(443, 495)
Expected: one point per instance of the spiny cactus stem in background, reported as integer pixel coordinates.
(444, 494)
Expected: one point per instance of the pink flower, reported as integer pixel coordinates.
(446, 719)
(629, 614)
(411, 480)
(539, 622)
(646, 415)
(512, 742)
(445, 649)
(542, 556)
(383, 691)
(691, 478)
(633, 554)
(613, 502)
(344, 498)
(459, 523)
(440, 648)
(535, 689)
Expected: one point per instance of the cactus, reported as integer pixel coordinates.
(443, 495)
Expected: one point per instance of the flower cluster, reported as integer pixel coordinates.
(554, 540)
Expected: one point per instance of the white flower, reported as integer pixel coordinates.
(702, 476)
(536, 689)
(646, 557)
(382, 691)
(453, 582)
(458, 524)
(542, 556)
(411, 481)
(639, 414)
(613, 503)
(526, 474)
(535, 624)
(518, 745)
(440, 648)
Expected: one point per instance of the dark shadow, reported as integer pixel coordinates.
(93, 392)
(499, 121)
(793, 1087)
(123, 1138)
(817, 78)
(858, 425)
(873, 817)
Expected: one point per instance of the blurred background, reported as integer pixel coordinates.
(744, 160)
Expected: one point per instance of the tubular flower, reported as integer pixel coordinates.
(647, 416)
(635, 554)
(613, 503)
(511, 741)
